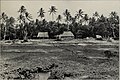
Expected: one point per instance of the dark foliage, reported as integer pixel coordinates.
(81, 25)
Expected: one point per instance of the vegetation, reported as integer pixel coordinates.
(81, 25)
(72, 59)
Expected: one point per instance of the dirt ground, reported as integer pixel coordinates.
(71, 59)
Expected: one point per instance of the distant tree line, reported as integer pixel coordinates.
(81, 25)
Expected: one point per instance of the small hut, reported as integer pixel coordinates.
(67, 34)
(43, 35)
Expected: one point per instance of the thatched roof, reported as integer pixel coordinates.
(67, 34)
(42, 34)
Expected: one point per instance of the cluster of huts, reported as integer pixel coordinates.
(66, 34)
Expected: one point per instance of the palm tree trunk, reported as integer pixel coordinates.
(41, 19)
(25, 33)
(25, 36)
(52, 17)
(67, 26)
(5, 33)
(113, 33)
(4, 36)
(9, 32)
(15, 32)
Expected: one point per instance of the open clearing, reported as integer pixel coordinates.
(82, 57)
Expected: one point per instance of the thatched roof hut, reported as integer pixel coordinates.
(43, 35)
(66, 34)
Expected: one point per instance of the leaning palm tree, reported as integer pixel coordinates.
(4, 19)
(52, 11)
(41, 13)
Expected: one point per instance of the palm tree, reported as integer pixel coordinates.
(10, 24)
(96, 15)
(52, 10)
(23, 17)
(79, 14)
(67, 17)
(102, 18)
(28, 16)
(4, 19)
(59, 18)
(72, 19)
(12, 20)
(85, 18)
(113, 14)
(22, 10)
(41, 13)
(112, 20)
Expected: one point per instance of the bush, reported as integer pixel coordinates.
(108, 53)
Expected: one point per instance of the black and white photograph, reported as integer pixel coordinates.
(59, 39)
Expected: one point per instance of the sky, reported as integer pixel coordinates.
(89, 7)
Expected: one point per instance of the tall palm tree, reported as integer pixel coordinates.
(113, 14)
(10, 24)
(86, 18)
(96, 15)
(102, 18)
(28, 16)
(22, 10)
(79, 14)
(72, 19)
(112, 20)
(67, 17)
(41, 13)
(23, 17)
(59, 18)
(4, 19)
(52, 11)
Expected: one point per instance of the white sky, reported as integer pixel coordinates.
(89, 7)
